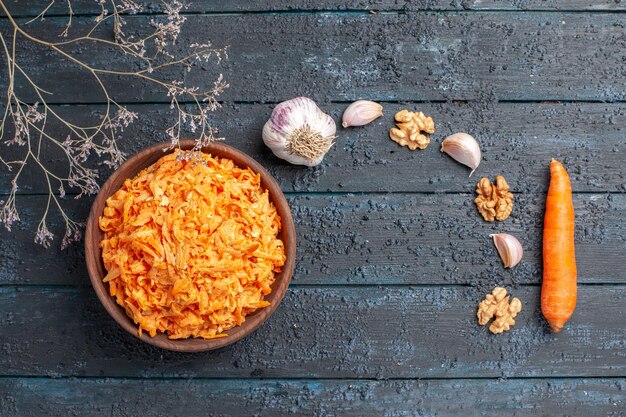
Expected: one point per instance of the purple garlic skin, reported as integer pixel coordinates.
(299, 132)
(361, 112)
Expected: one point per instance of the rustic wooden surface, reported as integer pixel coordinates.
(392, 257)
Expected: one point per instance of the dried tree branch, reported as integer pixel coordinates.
(30, 122)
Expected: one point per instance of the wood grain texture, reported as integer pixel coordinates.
(350, 319)
(412, 56)
(92, 397)
(30, 8)
(344, 332)
(376, 239)
(517, 140)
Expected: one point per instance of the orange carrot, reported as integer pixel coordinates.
(558, 292)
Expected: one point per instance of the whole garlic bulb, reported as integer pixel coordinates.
(299, 132)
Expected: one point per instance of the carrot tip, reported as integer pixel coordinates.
(555, 328)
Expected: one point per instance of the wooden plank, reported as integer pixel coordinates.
(413, 56)
(97, 397)
(376, 239)
(341, 332)
(24, 261)
(517, 140)
(21, 8)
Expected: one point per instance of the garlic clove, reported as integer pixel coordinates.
(509, 249)
(361, 112)
(299, 132)
(463, 148)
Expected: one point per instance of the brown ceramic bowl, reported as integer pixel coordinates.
(95, 266)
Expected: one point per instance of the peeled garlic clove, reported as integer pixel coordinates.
(299, 132)
(361, 112)
(509, 249)
(463, 148)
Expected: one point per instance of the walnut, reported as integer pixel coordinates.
(410, 126)
(497, 304)
(494, 203)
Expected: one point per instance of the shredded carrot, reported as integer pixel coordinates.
(191, 247)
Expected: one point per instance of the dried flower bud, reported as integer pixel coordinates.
(463, 148)
(361, 112)
(509, 249)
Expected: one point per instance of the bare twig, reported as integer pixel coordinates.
(42, 14)
(29, 122)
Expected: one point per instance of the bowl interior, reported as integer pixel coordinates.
(95, 265)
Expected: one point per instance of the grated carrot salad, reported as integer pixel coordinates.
(191, 247)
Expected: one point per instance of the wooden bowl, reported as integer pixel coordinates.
(95, 265)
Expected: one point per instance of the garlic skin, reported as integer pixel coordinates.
(509, 249)
(463, 148)
(361, 112)
(299, 132)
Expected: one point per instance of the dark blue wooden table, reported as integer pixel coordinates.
(392, 256)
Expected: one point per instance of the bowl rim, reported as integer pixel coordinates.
(95, 265)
